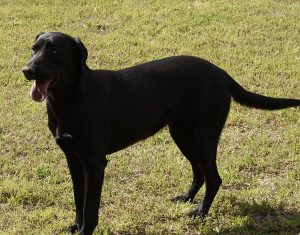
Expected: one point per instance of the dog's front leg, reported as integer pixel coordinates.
(93, 178)
(77, 175)
(65, 142)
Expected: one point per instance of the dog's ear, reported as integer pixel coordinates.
(37, 36)
(83, 53)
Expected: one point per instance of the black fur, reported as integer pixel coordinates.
(93, 113)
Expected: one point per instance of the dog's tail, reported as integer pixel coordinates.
(251, 99)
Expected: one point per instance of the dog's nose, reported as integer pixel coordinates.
(29, 72)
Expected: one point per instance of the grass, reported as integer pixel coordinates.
(257, 42)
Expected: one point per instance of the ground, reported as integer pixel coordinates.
(256, 42)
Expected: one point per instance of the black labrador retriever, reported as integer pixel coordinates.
(93, 113)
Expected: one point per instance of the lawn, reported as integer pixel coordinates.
(257, 42)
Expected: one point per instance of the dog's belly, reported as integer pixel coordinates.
(131, 131)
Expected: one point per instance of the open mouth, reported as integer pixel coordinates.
(39, 89)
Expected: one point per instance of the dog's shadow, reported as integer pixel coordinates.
(246, 218)
(261, 218)
(249, 218)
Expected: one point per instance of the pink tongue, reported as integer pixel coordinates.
(39, 90)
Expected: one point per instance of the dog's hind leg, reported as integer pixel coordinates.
(207, 164)
(202, 130)
(179, 136)
(204, 141)
(202, 157)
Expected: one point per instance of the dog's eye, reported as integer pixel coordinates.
(33, 50)
(53, 50)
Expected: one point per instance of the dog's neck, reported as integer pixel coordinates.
(61, 99)
(65, 90)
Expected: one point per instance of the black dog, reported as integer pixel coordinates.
(93, 113)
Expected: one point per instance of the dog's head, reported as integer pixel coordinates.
(56, 59)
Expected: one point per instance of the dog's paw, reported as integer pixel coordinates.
(182, 198)
(197, 214)
(73, 228)
(64, 139)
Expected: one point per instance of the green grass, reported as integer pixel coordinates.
(257, 42)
